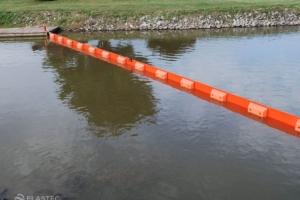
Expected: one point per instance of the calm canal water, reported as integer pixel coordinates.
(78, 127)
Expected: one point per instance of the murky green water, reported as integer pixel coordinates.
(74, 125)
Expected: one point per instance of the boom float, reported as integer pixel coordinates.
(270, 116)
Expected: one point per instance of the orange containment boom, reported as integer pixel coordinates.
(270, 116)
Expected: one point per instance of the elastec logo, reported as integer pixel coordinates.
(22, 197)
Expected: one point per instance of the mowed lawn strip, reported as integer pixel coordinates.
(146, 6)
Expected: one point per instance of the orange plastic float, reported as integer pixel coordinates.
(218, 95)
(121, 60)
(51, 36)
(272, 117)
(69, 43)
(139, 66)
(105, 54)
(91, 49)
(298, 126)
(79, 46)
(60, 39)
(257, 110)
(187, 84)
(161, 74)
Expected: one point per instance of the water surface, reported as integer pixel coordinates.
(81, 127)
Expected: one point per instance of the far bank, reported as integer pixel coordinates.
(111, 15)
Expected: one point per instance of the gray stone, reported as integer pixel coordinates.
(253, 19)
(160, 23)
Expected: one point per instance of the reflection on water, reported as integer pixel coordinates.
(237, 60)
(113, 101)
(58, 109)
(171, 46)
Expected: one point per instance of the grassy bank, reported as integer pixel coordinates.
(73, 13)
(143, 5)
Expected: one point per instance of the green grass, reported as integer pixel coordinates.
(143, 6)
(16, 13)
(7, 18)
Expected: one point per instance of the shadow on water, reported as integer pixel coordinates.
(112, 100)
